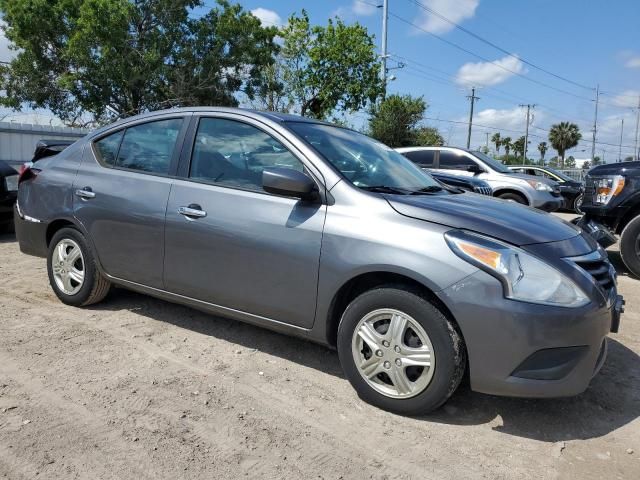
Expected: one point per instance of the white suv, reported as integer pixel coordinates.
(526, 189)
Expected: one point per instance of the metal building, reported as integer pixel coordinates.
(18, 140)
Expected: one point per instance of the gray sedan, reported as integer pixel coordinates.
(321, 232)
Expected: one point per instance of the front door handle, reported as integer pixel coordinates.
(85, 193)
(192, 211)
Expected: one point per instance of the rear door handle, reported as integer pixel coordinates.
(192, 211)
(85, 193)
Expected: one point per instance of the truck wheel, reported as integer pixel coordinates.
(577, 203)
(399, 351)
(630, 246)
(513, 197)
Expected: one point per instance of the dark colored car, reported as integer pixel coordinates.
(469, 184)
(321, 232)
(572, 191)
(612, 198)
(8, 195)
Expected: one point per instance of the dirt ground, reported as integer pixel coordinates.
(139, 388)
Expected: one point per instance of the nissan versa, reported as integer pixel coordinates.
(321, 232)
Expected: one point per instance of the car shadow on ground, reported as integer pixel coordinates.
(7, 237)
(612, 400)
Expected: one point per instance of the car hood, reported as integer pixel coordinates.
(507, 221)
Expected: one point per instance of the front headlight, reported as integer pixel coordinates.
(543, 187)
(524, 277)
(607, 188)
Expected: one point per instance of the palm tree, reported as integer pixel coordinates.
(495, 139)
(542, 148)
(518, 147)
(506, 143)
(563, 136)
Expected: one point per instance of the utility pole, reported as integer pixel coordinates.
(595, 124)
(473, 98)
(487, 145)
(526, 132)
(621, 132)
(385, 20)
(636, 154)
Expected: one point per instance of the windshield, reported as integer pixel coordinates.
(564, 177)
(362, 160)
(492, 162)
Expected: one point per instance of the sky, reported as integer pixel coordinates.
(551, 53)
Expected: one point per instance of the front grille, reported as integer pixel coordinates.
(599, 268)
(483, 190)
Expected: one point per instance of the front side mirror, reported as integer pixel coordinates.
(288, 182)
(475, 169)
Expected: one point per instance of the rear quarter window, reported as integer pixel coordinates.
(107, 148)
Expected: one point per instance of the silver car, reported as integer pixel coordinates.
(321, 232)
(536, 192)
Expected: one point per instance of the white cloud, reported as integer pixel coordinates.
(356, 9)
(633, 62)
(489, 73)
(510, 119)
(268, 18)
(628, 98)
(454, 10)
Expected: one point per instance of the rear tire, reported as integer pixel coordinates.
(514, 197)
(577, 203)
(414, 358)
(630, 246)
(73, 273)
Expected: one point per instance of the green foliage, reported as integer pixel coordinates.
(329, 67)
(506, 143)
(542, 148)
(586, 165)
(82, 56)
(564, 136)
(518, 146)
(570, 162)
(628, 159)
(495, 139)
(596, 161)
(427, 137)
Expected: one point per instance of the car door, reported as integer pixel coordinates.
(121, 192)
(237, 246)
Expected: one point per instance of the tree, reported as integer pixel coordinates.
(495, 139)
(542, 148)
(596, 160)
(571, 162)
(394, 120)
(586, 165)
(329, 67)
(271, 94)
(506, 143)
(563, 136)
(427, 137)
(518, 146)
(86, 58)
(628, 159)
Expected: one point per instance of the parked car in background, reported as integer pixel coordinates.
(469, 184)
(533, 191)
(228, 210)
(8, 195)
(612, 198)
(572, 191)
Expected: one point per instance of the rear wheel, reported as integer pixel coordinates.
(577, 203)
(630, 246)
(72, 269)
(513, 197)
(399, 351)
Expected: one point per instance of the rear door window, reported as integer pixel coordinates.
(454, 161)
(422, 158)
(107, 148)
(149, 147)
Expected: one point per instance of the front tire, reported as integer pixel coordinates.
(630, 246)
(577, 203)
(399, 351)
(72, 269)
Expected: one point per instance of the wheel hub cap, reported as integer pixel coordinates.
(393, 353)
(67, 264)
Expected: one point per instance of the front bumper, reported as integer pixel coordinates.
(527, 350)
(546, 201)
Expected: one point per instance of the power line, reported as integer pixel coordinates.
(497, 47)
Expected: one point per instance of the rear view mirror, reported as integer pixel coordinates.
(288, 182)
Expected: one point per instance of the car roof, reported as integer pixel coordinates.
(414, 149)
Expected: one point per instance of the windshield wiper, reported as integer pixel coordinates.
(427, 190)
(386, 189)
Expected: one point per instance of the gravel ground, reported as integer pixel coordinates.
(140, 388)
